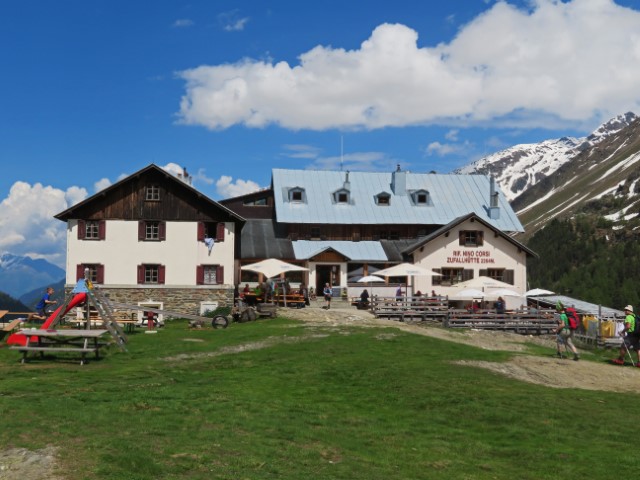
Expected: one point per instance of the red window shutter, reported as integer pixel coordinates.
(162, 230)
(79, 272)
(461, 237)
(200, 231)
(142, 231)
(219, 274)
(140, 274)
(102, 230)
(82, 229)
(480, 238)
(199, 275)
(161, 274)
(100, 274)
(220, 232)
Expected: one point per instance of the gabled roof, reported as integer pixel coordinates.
(450, 196)
(73, 210)
(450, 226)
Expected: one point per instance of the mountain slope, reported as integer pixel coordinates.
(518, 168)
(23, 274)
(11, 304)
(600, 181)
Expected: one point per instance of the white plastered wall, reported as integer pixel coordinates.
(121, 252)
(497, 252)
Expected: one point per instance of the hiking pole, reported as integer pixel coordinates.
(628, 352)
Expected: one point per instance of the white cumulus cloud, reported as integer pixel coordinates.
(227, 188)
(101, 184)
(554, 63)
(27, 223)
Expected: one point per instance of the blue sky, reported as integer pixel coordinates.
(93, 90)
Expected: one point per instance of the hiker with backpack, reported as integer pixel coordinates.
(564, 331)
(630, 337)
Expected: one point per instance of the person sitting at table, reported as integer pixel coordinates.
(363, 304)
(246, 288)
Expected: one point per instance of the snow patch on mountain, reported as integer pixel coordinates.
(518, 168)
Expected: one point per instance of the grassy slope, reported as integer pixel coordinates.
(353, 403)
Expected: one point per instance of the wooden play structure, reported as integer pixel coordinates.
(86, 340)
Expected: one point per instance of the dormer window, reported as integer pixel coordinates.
(341, 196)
(383, 199)
(296, 195)
(420, 197)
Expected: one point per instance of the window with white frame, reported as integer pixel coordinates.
(152, 193)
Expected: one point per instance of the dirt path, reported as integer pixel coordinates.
(549, 371)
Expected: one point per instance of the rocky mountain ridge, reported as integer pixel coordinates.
(518, 168)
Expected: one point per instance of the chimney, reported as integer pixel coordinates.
(399, 182)
(347, 184)
(494, 208)
(184, 176)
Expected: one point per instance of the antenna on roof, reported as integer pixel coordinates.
(341, 151)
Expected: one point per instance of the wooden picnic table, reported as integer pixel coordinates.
(61, 341)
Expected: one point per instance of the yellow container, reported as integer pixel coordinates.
(590, 325)
(607, 329)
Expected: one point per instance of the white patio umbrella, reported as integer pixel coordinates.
(272, 267)
(504, 292)
(537, 291)
(370, 279)
(470, 293)
(483, 282)
(408, 270)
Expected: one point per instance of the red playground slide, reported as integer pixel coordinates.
(21, 339)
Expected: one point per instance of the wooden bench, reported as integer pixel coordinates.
(10, 327)
(292, 300)
(61, 341)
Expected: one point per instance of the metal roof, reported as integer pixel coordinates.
(580, 305)
(356, 251)
(263, 239)
(450, 196)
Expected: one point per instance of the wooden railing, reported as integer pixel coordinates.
(539, 322)
(406, 308)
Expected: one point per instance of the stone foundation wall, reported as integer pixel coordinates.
(178, 299)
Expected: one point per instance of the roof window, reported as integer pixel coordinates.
(383, 199)
(421, 197)
(297, 195)
(341, 196)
